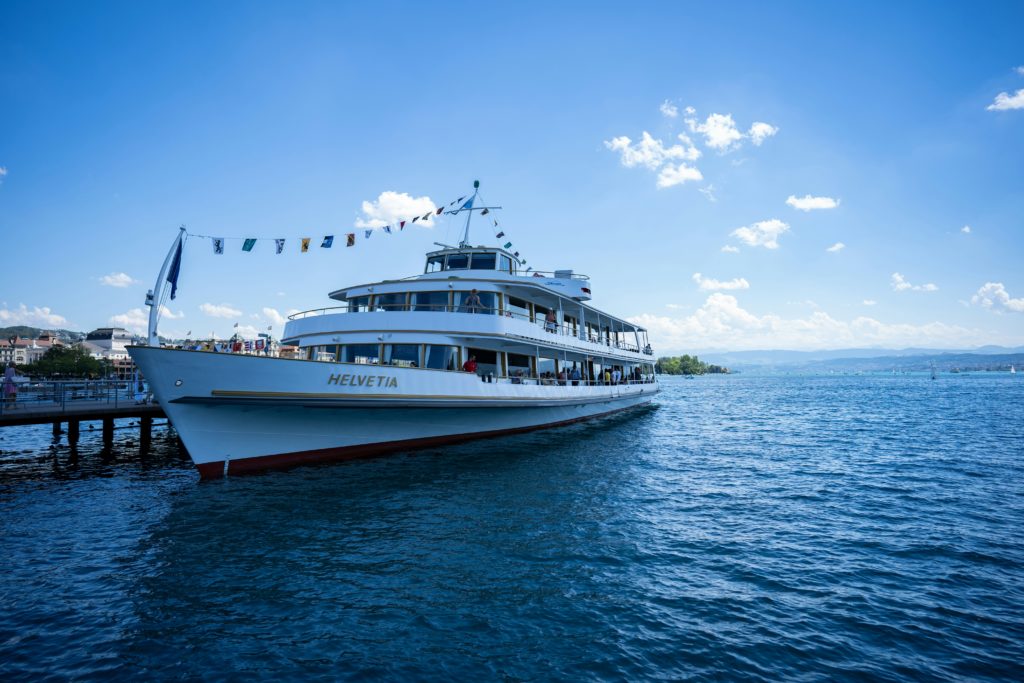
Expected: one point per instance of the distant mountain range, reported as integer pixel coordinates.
(869, 360)
(26, 332)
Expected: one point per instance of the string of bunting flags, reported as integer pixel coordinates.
(327, 241)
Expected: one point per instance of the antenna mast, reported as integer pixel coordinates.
(469, 214)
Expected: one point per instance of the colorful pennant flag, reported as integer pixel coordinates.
(248, 244)
(508, 245)
(401, 226)
(328, 241)
(415, 219)
(485, 212)
(368, 233)
(260, 343)
(500, 235)
(350, 239)
(468, 204)
(279, 245)
(218, 245)
(427, 215)
(305, 244)
(439, 210)
(387, 229)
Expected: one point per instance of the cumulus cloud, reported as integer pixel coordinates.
(1006, 101)
(900, 284)
(37, 316)
(722, 134)
(391, 207)
(137, 319)
(273, 316)
(993, 296)
(707, 283)
(219, 311)
(761, 131)
(966, 230)
(762, 234)
(118, 280)
(869, 302)
(721, 322)
(729, 249)
(677, 174)
(669, 110)
(809, 203)
(836, 248)
(650, 152)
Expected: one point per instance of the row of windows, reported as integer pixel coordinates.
(445, 357)
(493, 303)
(484, 261)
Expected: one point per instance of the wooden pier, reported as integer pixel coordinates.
(71, 403)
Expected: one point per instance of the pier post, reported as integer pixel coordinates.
(145, 433)
(108, 432)
(56, 430)
(73, 432)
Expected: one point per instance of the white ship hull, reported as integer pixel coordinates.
(238, 413)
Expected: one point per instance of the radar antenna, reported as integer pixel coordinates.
(469, 207)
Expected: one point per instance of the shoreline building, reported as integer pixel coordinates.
(111, 344)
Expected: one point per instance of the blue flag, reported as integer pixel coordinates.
(328, 241)
(468, 204)
(172, 274)
(368, 233)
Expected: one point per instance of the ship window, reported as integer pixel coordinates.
(430, 301)
(519, 365)
(505, 264)
(404, 355)
(518, 308)
(488, 303)
(483, 261)
(442, 357)
(458, 261)
(546, 366)
(486, 361)
(390, 302)
(359, 303)
(435, 263)
(367, 354)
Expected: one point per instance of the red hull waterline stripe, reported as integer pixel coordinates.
(216, 469)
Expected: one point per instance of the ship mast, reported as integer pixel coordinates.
(469, 207)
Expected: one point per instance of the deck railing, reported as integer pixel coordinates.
(62, 395)
(562, 329)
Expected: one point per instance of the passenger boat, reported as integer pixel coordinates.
(472, 347)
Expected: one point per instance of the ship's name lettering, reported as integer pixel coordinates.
(347, 380)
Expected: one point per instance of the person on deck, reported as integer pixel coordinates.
(470, 365)
(550, 322)
(473, 304)
(10, 388)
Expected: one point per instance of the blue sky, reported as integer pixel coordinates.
(119, 122)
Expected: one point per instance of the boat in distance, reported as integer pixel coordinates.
(473, 347)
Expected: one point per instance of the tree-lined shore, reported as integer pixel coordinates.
(687, 365)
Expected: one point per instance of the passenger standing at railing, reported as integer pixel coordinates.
(472, 304)
(616, 376)
(470, 365)
(550, 323)
(575, 377)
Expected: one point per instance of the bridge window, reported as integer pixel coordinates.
(505, 263)
(442, 357)
(435, 263)
(359, 303)
(519, 308)
(458, 261)
(430, 301)
(519, 365)
(486, 361)
(403, 355)
(483, 261)
(488, 303)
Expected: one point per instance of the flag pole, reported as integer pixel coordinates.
(471, 202)
(155, 295)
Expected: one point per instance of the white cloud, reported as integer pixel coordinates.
(668, 109)
(137, 319)
(1005, 101)
(246, 331)
(761, 131)
(900, 284)
(719, 131)
(808, 203)
(709, 193)
(3, 174)
(707, 283)
(677, 175)
(729, 249)
(118, 280)
(392, 207)
(869, 302)
(836, 248)
(1020, 70)
(220, 311)
(993, 296)
(763, 233)
(650, 152)
(966, 230)
(273, 316)
(33, 317)
(722, 323)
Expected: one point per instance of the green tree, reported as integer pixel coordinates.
(66, 361)
(686, 365)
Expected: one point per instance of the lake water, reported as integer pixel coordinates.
(754, 528)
